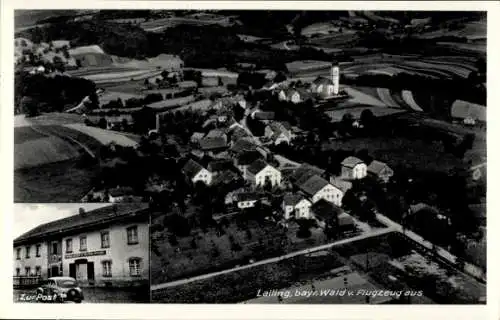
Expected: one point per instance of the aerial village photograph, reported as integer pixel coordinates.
(251, 156)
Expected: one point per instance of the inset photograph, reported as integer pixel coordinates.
(81, 253)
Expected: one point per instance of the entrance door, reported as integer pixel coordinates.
(81, 272)
(72, 270)
(54, 271)
(90, 271)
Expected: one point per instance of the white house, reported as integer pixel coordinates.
(259, 172)
(120, 194)
(195, 172)
(353, 168)
(297, 206)
(318, 188)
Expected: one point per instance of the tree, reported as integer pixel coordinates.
(58, 64)
(103, 124)
(29, 106)
(367, 118)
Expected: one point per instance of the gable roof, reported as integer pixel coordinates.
(238, 132)
(257, 166)
(247, 196)
(351, 162)
(322, 81)
(93, 218)
(376, 167)
(313, 185)
(291, 199)
(340, 184)
(213, 143)
(216, 133)
(191, 168)
(243, 145)
(323, 209)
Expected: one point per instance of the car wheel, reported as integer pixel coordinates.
(78, 301)
(73, 295)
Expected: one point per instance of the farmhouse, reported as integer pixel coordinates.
(108, 246)
(353, 168)
(243, 145)
(380, 170)
(295, 205)
(318, 188)
(340, 184)
(259, 172)
(219, 165)
(195, 172)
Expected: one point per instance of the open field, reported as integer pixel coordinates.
(105, 136)
(65, 181)
(356, 110)
(64, 132)
(33, 152)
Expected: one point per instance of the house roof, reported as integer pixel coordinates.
(312, 185)
(243, 145)
(121, 191)
(351, 162)
(376, 166)
(323, 209)
(257, 166)
(345, 219)
(94, 218)
(213, 143)
(191, 168)
(322, 80)
(216, 133)
(246, 196)
(248, 157)
(291, 199)
(340, 184)
(238, 132)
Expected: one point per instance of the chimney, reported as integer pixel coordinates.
(81, 211)
(335, 78)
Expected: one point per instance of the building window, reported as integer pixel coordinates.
(18, 254)
(69, 245)
(27, 252)
(83, 243)
(18, 272)
(106, 268)
(132, 235)
(54, 248)
(38, 271)
(38, 246)
(135, 266)
(27, 270)
(105, 239)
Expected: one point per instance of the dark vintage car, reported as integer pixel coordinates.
(61, 288)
